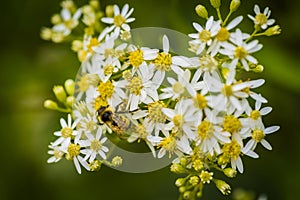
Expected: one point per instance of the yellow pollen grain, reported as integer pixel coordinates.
(119, 20)
(255, 114)
(223, 34)
(178, 120)
(200, 101)
(240, 52)
(261, 19)
(96, 145)
(204, 36)
(163, 62)
(258, 135)
(135, 85)
(73, 150)
(231, 124)
(106, 89)
(136, 58)
(66, 132)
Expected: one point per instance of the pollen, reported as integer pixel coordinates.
(141, 131)
(73, 150)
(119, 20)
(66, 132)
(204, 36)
(227, 90)
(223, 34)
(178, 88)
(258, 135)
(168, 143)
(93, 42)
(206, 176)
(106, 89)
(200, 101)
(208, 63)
(240, 52)
(135, 85)
(255, 114)
(231, 124)
(99, 102)
(261, 19)
(231, 150)
(178, 120)
(96, 145)
(136, 58)
(163, 62)
(205, 130)
(155, 112)
(108, 69)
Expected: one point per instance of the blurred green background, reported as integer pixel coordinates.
(31, 66)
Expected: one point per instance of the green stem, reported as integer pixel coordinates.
(226, 19)
(64, 110)
(252, 35)
(219, 14)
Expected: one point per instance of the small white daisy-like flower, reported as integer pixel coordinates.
(182, 118)
(66, 133)
(73, 153)
(262, 19)
(240, 51)
(69, 22)
(141, 88)
(56, 152)
(120, 19)
(204, 36)
(258, 136)
(93, 146)
(223, 35)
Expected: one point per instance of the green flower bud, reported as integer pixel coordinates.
(180, 182)
(56, 19)
(274, 30)
(182, 189)
(201, 11)
(49, 104)
(258, 69)
(215, 3)
(109, 10)
(95, 165)
(177, 168)
(117, 161)
(60, 93)
(187, 195)
(70, 101)
(70, 86)
(183, 161)
(199, 194)
(223, 187)
(46, 33)
(194, 180)
(234, 5)
(95, 4)
(229, 172)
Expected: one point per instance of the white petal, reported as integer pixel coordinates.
(266, 144)
(265, 111)
(165, 44)
(239, 164)
(234, 22)
(271, 129)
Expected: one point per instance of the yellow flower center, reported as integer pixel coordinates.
(163, 62)
(208, 63)
(70, 24)
(258, 135)
(119, 20)
(66, 132)
(99, 102)
(255, 114)
(206, 176)
(231, 124)
(141, 131)
(261, 19)
(178, 88)
(106, 89)
(96, 145)
(73, 150)
(231, 150)
(93, 42)
(58, 154)
(135, 85)
(178, 120)
(200, 101)
(168, 143)
(227, 90)
(205, 130)
(223, 34)
(155, 112)
(204, 36)
(108, 69)
(240, 52)
(136, 58)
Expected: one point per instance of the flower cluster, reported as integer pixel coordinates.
(198, 110)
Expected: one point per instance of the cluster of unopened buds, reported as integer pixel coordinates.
(202, 110)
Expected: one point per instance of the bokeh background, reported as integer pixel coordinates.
(30, 67)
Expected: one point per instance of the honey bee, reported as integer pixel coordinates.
(115, 121)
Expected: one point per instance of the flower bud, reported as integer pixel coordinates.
(215, 3)
(182, 189)
(49, 104)
(95, 4)
(187, 195)
(180, 182)
(56, 19)
(274, 30)
(95, 165)
(234, 5)
(258, 68)
(201, 11)
(183, 161)
(109, 10)
(199, 194)
(70, 86)
(229, 172)
(194, 180)
(223, 187)
(60, 93)
(177, 168)
(70, 101)
(46, 33)
(117, 161)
